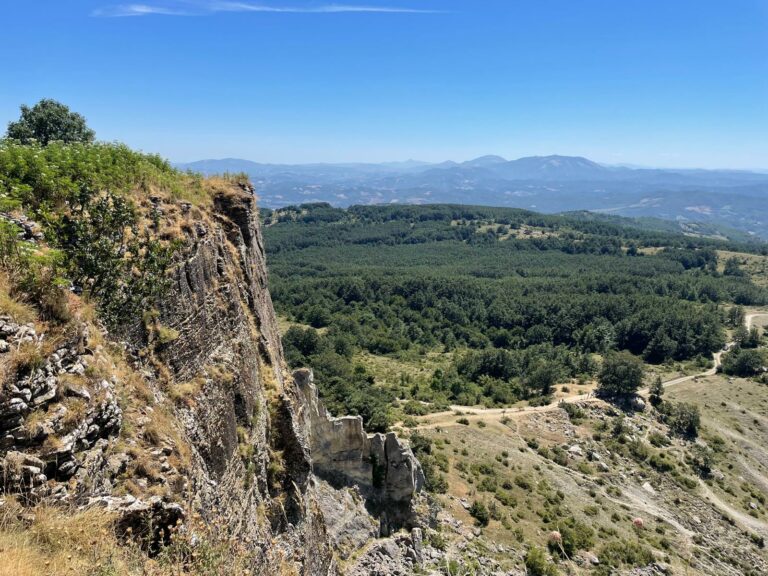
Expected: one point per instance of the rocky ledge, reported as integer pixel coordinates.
(72, 418)
(381, 466)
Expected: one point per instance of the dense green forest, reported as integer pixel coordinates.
(523, 300)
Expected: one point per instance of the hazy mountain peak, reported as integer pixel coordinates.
(488, 160)
(553, 167)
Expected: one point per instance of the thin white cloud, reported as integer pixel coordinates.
(327, 9)
(125, 10)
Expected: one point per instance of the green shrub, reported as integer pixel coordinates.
(35, 276)
(524, 482)
(414, 408)
(621, 374)
(536, 563)
(639, 450)
(658, 440)
(506, 498)
(487, 484)
(575, 413)
(702, 460)
(743, 362)
(574, 536)
(431, 463)
(682, 418)
(623, 553)
(479, 511)
(661, 462)
(81, 193)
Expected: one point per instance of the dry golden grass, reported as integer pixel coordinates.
(220, 374)
(33, 422)
(53, 541)
(162, 428)
(755, 265)
(52, 444)
(77, 409)
(17, 310)
(22, 359)
(184, 392)
(58, 542)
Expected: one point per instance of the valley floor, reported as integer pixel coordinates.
(537, 468)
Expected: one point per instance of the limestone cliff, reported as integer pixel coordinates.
(384, 469)
(251, 462)
(194, 414)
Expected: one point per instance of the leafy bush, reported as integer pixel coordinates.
(81, 194)
(621, 374)
(431, 463)
(618, 554)
(743, 362)
(35, 276)
(49, 121)
(656, 391)
(536, 563)
(658, 440)
(682, 418)
(487, 484)
(574, 412)
(479, 511)
(506, 498)
(702, 460)
(574, 536)
(662, 462)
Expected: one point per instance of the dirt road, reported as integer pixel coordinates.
(442, 418)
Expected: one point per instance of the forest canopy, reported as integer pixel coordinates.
(521, 300)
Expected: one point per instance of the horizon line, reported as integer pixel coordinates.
(623, 165)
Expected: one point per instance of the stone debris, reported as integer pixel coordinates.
(401, 555)
(648, 488)
(30, 230)
(149, 522)
(576, 451)
(42, 389)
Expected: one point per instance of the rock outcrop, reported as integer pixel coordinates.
(72, 420)
(251, 464)
(195, 415)
(381, 466)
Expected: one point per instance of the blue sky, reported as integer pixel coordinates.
(652, 82)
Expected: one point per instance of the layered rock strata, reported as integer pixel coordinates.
(381, 466)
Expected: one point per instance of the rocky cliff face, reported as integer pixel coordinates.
(251, 462)
(382, 467)
(195, 414)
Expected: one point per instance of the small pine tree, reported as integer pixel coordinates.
(480, 513)
(656, 391)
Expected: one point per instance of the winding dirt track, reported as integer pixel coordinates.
(442, 419)
(438, 419)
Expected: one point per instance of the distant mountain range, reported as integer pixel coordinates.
(731, 198)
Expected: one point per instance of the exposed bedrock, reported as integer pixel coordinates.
(381, 466)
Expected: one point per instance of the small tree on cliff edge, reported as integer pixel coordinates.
(656, 391)
(50, 121)
(621, 374)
